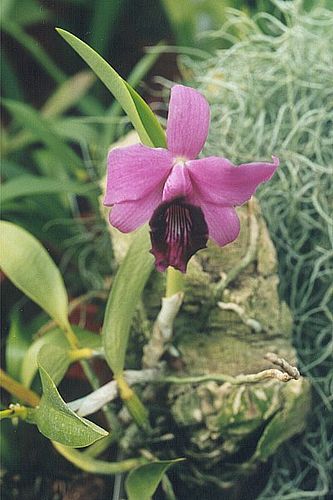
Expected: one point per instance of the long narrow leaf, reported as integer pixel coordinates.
(31, 185)
(141, 116)
(135, 77)
(84, 462)
(39, 127)
(35, 49)
(125, 293)
(68, 94)
(105, 18)
(10, 83)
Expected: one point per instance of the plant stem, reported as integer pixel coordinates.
(14, 411)
(18, 390)
(94, 382)
(81, 354)
(99, 446)
(71, 337)
(94, 466)
(92, 379)
(132, 402)
(174, 282)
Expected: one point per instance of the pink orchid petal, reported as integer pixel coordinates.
(188, 122)
(129, 215)
(216, 180)
(134, 171)
(178, 184)
(223, 223)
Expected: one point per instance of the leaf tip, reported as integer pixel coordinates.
(61, 32)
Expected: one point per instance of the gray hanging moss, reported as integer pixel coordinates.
(271, 92)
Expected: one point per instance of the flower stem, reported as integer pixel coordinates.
(80, 354)
(14, 410)
(174, 282)
(71, 337)
(90, 464)
(18, 390)
(91, 377)
(133, 403)
(94, 382)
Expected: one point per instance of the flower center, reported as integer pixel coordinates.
(178, 231)
(178, 184)
(179, 160)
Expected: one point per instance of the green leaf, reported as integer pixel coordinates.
(10, 169)
(16, 346)
(134, 78)
(25, 12)
(105, 16)
(5, 9)
(28, 265)
(31, 185)
(57, 421)
(142, 482)
(89, 464)
(10, 83)
(68, 94)
(145, 114)
(74, 130)
(40, 128)
(141, 116)
(289, 421)
(35, 49)
(54, 338)
(126, 290)
(55, 361)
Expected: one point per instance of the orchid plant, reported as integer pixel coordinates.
(186, 201)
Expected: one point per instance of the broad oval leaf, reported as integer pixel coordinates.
(126, 290)
(54, 338)
(142, 482)
(141, 116)
(57, 421)
(55, 360)
(28, 265)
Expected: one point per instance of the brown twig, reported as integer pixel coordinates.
(94, 401)
(292, 371)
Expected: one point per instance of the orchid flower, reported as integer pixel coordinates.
(186, 200)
